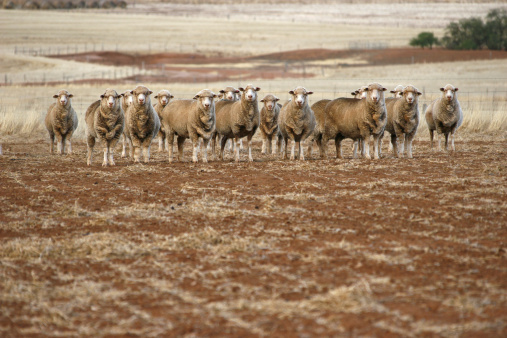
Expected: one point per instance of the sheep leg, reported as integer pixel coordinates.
(52, 142)
(195, 145)
(223, 141)
(408, 140)
(69, 146)
(146, 152)
(161, 142)
(366, 147)
(376, 150)
(285, 152)
(169, 142)
(236, 149)
(431, 139)
(240, 144)
(278, 145)
(59, 147)
(124, 146)
(338, 146)
(292, 157)
(214, 145)
(380, 144)
(264, 146)
(205, 151)
(90, 141)
(106, 155)
(249, 145)
(452, 140)
(270, 144)
(394, 144)
(446, 141)
(180, 141)
(301, 151)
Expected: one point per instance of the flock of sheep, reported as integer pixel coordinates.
(234, 114)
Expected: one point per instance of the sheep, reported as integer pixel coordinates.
(61, 121)
(397, 92)
(237, 119)
(192, 119)
(104, 120)
(229, 94)
(320, 119)
(296, 121)
(444, 115)
(126, 101)
(163, 97)
(269, 123)
(357, 120)
(403, 119)
(142, 123)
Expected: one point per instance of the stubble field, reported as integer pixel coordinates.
(352, 247)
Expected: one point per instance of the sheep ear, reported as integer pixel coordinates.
(222, 91)
(455, 89)
(132, 92)
(172, 96)
(442, 89)
(122, 94)
(262, 100)
(214, 95)
(309, 93)
(196, 97)
(242, 89)
(55, 96)
(257, 89)
(155, 97)
(291, 92)
(277, 99)
(353, 93)
(71, 95)
(102, 96)
(366, 89)
(150, 92)
(384, 89)
(419, 93)
(392, 92)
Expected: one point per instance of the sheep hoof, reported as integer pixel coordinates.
(104, 164)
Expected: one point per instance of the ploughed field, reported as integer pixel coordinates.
(392, 247)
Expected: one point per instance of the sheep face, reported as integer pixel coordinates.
(141, 95)
(375, 92)
(206, 99)
(449, 92)
(398, 91)
(63, 97)
(410, 93)
(250, 93)
(127, 99)
(270, 101)
(164, 97)
(300, 96)
(109, 99)
(230, 93)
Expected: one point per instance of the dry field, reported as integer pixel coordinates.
(354, 248)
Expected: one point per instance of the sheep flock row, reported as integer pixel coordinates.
(233, 114)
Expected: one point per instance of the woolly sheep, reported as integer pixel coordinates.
(444, 115)
(61, 121)
(163, 97)
(318, 109)
(296, 121)
(104, 120)
(397, 92)
(403, 119)
(126, 101)
(230, 94)
(269, 123)
(237, 119)
(357, 120)
(142, 123)
(192, 119)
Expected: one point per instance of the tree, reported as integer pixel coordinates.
(496, 29)
(424, 39)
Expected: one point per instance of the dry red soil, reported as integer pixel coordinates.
(171, 66)
(392, 247)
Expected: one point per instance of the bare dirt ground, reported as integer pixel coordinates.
(393, 247)
(191, 67)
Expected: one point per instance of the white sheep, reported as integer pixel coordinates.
(61, 121)
(227, 94)
(444, 115)
(296, 121)
(269, 124)
(126, 101)
(403, 120)
(104, 120)
(142, 123)
(397, 92)
(357, 120)
(318, 109)
(192, 119)
(163, 97)
(237, 119)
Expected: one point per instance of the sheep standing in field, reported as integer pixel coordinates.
(318, 109)
(357, 120)
(269, 124)
(126, 102)
(296, 121)
(142, 123)
(163, 97)
(61, 121)
(444, 115)
(226, 94)
(237, 119)
(192, 119)
(105, 121)
(403, 119)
